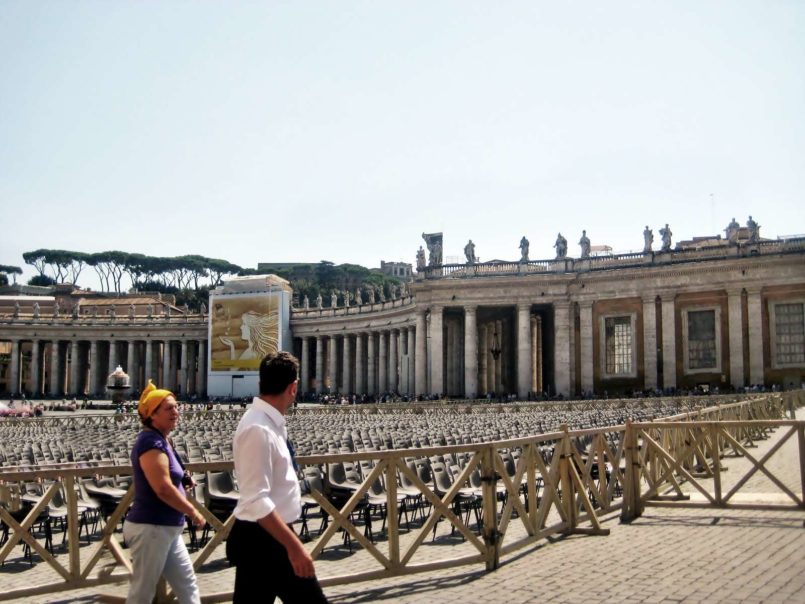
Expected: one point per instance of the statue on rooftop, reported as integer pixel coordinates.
(319, 301)
(524, 245)
(434, 243)
(420, 259)
(333, 300)
(393, 290)
(203, 308)
(16, 309)
(306, 303)
(732, 231)
(436, 254)
(469, 252)
(584, 243)
(56, 309)
(132, 311)
(648, 239)
(74, 311)
(347, 296)
(666, 233)
(358, 297)
(403, 290)
(561, 247)
(112, 312)
(150, 310)
(754, 230)
(382, 293)
(36, 310)
(371, 291)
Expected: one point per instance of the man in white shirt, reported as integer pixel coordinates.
(270, 560)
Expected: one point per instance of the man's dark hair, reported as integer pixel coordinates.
(277, 370)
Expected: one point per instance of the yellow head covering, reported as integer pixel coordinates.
(150, 399)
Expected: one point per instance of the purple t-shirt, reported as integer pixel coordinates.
(148, 508)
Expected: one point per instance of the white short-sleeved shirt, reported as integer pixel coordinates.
(263, 466)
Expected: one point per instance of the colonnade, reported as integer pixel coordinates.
(445, 351)
(471, 357)
(546, 347)
(78, 367)
(368, 362)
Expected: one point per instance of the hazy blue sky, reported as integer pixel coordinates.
(280, 131)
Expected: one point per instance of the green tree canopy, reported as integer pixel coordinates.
(63, 266)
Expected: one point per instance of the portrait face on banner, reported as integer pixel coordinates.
(244, 330)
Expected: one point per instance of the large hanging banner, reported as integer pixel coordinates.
(244, 330)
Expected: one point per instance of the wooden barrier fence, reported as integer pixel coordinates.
(551, 484)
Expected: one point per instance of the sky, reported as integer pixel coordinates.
(310, 130)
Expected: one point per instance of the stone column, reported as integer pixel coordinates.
(736, 337)
(499, 361)
(35, 369)
(360, 365)
(393, 361)
(411, 360)
(183, 369)
(14, 386)
(483, 351)
(650, 342)
(305, 365)
(332, 362)
(524, 361)
(319, 380)
(404, 358)
(148, 373)
(383, 363)
(436, 350)
(94, 367)
(586, 345)
(55, 368)
(131, 365)
(754, 307)
(166, 365)
(470, 352)
(74, 364)
(112, 357)
(668, 341)
(421, 377)
(562, 333)
(347, 366)
(192, 360)
(371, 364)
(201, 383)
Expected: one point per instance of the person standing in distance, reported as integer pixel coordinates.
(270, 560)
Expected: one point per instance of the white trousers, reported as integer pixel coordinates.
(159, 551)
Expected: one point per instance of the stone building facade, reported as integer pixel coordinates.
(68, 345)
(722, 316)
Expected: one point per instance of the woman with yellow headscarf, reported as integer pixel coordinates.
(155, 522)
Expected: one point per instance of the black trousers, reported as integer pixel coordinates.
(263, 570)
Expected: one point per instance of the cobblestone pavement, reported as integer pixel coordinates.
(667, 555)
